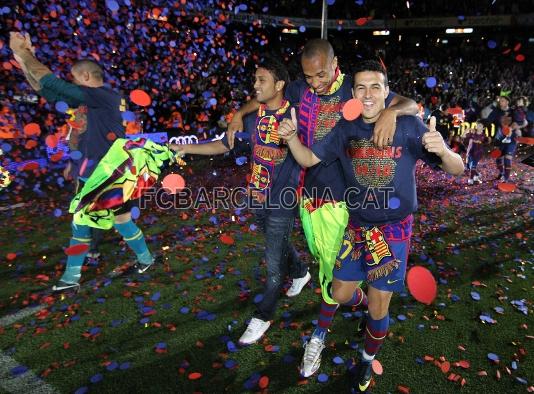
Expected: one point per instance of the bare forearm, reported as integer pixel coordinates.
(34, 68)
(452, 163)
(34, 84)
(211, 148)
(403, 106)
(303, 155)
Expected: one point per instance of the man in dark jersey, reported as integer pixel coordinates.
(320, 98)
(381, 198)
(104, 107)
(272, 187)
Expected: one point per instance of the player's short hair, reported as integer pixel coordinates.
(91, 67)
(316, 47)
(277, 69)
(370, 65)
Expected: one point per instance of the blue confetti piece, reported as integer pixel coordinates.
(76, 155)
(499, 309)
(82, 390)
(394, 203)
(401, 317)
(156, 296)
(112, 366)
(492, 44)
(241, 160)
(19, 370)
(258, 298)
(95, 330)
(322, 378)
(475, 296)
(135, 212)
(521, 380)
(144, 320)
(124, 366)
(338, 360)
(493, 357)
(128, 116)
(112, 5)
(431, 82)
(57, 212)
(231, 347)
(62, 106)
(96, 378)
(229, 364)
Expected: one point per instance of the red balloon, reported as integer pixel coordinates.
(173, 183)
(352, 109)
(422, 284)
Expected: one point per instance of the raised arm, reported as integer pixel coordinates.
(288, 131)
(433, 142)
(30, 65)
(386, 123)
(237, 121)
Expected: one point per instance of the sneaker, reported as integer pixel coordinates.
(141, 268)
(255, 330)
(311, 361)
(298, 284)
(62, 286)
(363, 373)
(477, 179)
(470, 181)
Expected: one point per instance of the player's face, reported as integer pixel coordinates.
(503, 103)
(264, 85)
(319, 71)
(370, 89)
(480, 128)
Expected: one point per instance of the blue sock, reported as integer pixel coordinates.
(80, 235)
(136, 241)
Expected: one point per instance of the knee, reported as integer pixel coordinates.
(340, 296)
(123, 218)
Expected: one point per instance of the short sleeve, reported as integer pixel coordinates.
(55, 89)
(332, 146)
(390, 98)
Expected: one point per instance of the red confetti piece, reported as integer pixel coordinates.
(520, 58)
(377, 367)
(32, 129)
(361, 21)
(464, 364)
(403, 389)
(226, 239)
(51, 141)
(30, 166)
(30, 144)
(66, 345)
(445, 367)
(111, 136)
(140, 97)
(11, 256)
(517, 47)
(263, 382)
(77, 249)
(506, 187)
(194, 376)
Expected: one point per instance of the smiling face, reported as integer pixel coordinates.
(370, 89)
(319, 71)
(267, 90)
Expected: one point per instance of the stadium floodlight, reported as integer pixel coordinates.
(465, 30)
(381, 33)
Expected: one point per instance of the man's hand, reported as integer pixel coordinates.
(385, 128)
(179, 149)
(236, 125)
(19, 42)
(287, 129)
(433, 141)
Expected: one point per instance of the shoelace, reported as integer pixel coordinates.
(312, 348)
